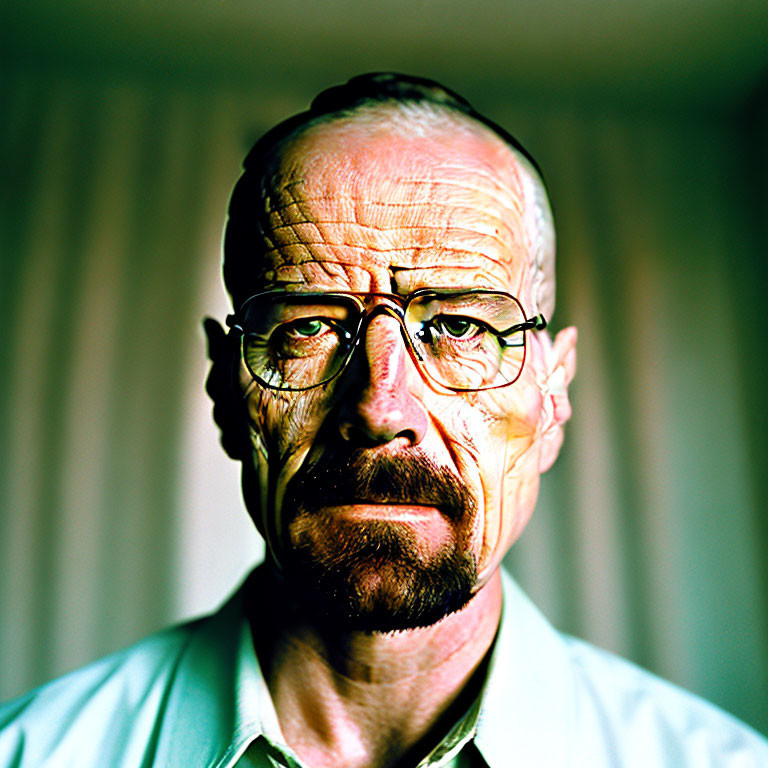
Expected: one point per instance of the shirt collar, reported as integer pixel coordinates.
(220, 703)
(216, 705)
(526, 707)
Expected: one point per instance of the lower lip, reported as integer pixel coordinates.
(382, 511)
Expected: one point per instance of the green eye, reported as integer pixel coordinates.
(303, 338)
(456, 326)
(303, 328)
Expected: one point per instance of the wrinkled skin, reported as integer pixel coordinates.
(371, 211)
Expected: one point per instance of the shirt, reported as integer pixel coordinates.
(194, 695)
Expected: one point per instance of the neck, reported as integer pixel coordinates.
(346, 698)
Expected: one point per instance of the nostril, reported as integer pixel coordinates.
(359, 436)
(381, 415)
(368, 424)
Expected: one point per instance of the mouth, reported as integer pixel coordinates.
(428, 527)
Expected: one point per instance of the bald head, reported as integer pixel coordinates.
(382, 153)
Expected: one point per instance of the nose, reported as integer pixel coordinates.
(381, 399)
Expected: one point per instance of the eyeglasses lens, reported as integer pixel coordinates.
(465, 341)
(296, 342)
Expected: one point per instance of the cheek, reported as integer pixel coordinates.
(517, 439)
(283, 423)
(493, 437)
(283, 427)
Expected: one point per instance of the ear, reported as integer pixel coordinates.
(557, 407)
(221, 386)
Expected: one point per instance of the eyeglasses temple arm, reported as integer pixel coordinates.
(536, 323)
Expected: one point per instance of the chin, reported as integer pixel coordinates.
(372, 577)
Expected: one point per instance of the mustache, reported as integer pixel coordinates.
(360, 476)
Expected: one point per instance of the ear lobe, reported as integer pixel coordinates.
(228, 411)
(557, 408)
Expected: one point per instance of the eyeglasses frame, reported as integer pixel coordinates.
(396, 308)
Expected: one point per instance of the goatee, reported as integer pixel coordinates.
(376, 575)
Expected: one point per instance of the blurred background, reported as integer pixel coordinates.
(122, 133)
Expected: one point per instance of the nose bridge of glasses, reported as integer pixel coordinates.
(386, 305)
(383, 306)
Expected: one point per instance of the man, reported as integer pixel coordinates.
(389, 386)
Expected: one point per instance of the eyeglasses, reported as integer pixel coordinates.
(462, 339)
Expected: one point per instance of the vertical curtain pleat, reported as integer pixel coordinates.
(37, 317)
(588, 495)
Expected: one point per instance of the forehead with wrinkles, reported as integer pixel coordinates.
(359, 205)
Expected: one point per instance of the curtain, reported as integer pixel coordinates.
(119, 512)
